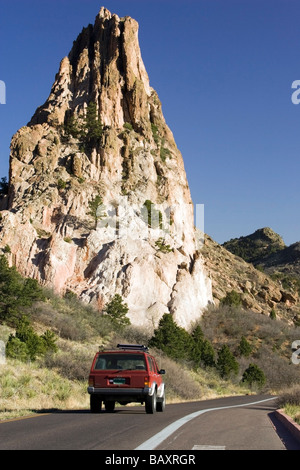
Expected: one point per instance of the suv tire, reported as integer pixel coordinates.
(95, 404)
(110, 406)
(151, 403)
(161, 404)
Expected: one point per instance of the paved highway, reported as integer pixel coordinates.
(235, 423)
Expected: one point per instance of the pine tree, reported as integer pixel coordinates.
(116, 309)
(226, 363)
(245, 347)
(172, 339)
(92, 128)
(202, 352)
(254, 375)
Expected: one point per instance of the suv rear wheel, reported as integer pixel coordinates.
(110, 406)
(95, 404)
(150, 403)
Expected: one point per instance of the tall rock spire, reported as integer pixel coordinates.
(98, 197)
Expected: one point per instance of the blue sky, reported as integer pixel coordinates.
(223, 70)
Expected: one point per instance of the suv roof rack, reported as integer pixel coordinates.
(139, 347)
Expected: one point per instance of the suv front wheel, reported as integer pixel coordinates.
(150, 403)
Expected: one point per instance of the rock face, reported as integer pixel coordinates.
(98, 198)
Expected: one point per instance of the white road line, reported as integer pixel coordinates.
(158, 438)
(207, 447)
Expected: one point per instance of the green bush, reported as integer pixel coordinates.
(202, 352)
(92, 128)
(28, 345)
(116, 310)
(151, 216)
(95, 208)
(232, 299)
(61, 184)
(226, 362)
(173, 340)
(89, 131)
(162, 246)
(16, 292)
(254, 375)
(245, 348)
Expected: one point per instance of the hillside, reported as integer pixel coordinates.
(267, 251)
(257, 246)
(259, 291)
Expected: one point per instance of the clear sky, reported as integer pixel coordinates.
(223, 70)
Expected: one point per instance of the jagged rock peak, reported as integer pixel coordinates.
(101, 138)
(104, 66)
(104, 13)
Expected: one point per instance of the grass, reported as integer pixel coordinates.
(28, 389)
(289, 401)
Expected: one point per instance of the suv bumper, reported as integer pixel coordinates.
(120, 392)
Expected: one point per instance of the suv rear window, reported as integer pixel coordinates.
(120, 362)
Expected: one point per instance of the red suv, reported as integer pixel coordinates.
(128, 374)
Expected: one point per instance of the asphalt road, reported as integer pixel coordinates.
(235, 423)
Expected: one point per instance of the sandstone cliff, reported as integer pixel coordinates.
(85, 173)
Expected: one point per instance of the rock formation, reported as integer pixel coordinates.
(98, 199)
(259, 292)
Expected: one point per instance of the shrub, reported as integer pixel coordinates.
(273, 314)
(128, 126)
(173, 340)
(16, 292)
(290, 396)
(254, 375)
(26, 344)
(162, 246)
(16, 349)
(61, 184)
(92, 128)
(232, 299)
(151, 216)
(164, 153)
(96, 208)
(226, 363)
(245, 348)
(116, 309)
(202, 352)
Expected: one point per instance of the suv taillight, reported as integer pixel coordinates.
(91, 381)
(146, 382)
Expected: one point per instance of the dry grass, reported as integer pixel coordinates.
(27, 389)
(289, 400)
